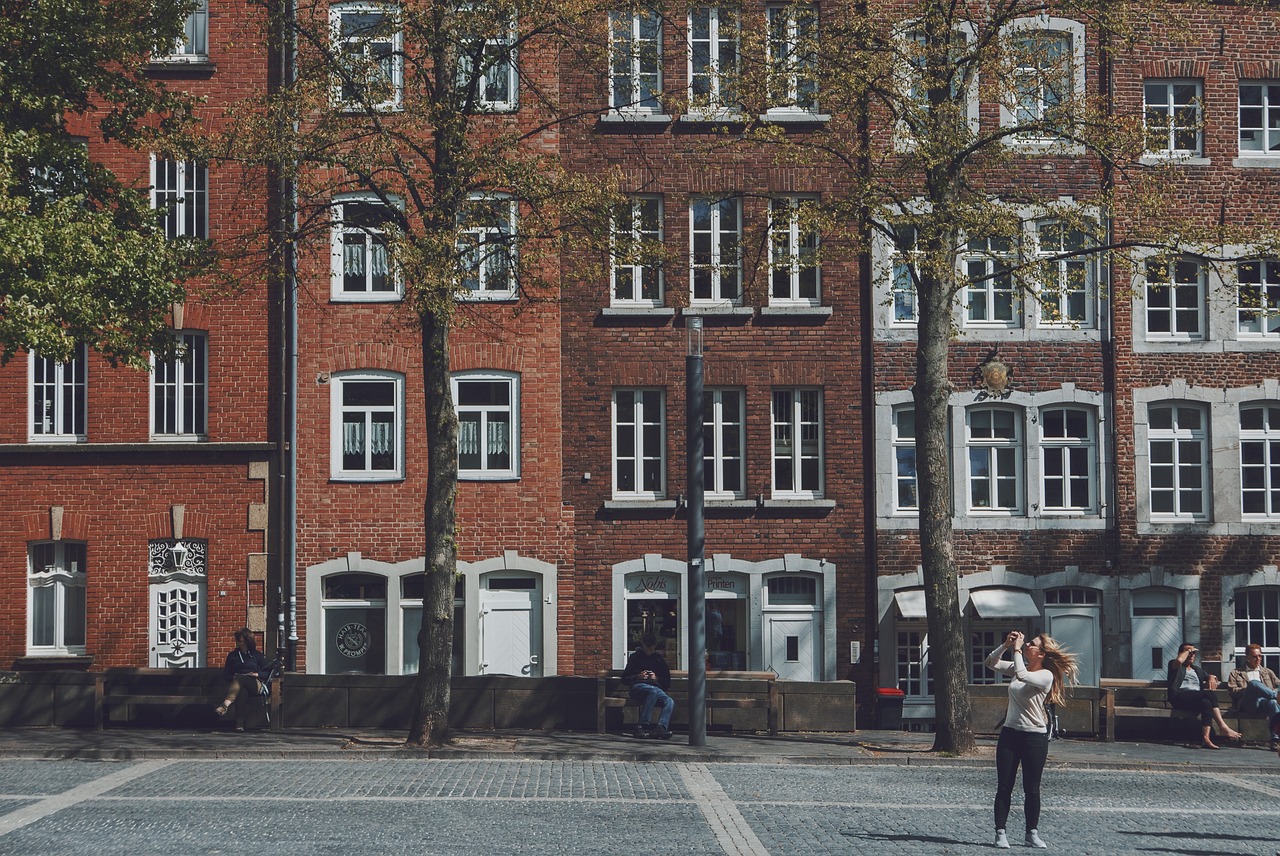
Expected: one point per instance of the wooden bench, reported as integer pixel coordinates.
(725, 691)
(202, 688)
(1134, 699)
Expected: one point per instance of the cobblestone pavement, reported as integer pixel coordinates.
(401, 805)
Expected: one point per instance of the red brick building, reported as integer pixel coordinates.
(1120, 496)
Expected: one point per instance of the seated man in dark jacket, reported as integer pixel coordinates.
(1192, 688)
(648, 677)
(244, 668)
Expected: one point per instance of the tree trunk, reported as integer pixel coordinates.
(430, 725)
(946, 648)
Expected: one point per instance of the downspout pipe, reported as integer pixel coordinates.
(289, 460)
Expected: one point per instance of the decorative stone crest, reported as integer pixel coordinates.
(994, 379)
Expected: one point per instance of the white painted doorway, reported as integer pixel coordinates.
(1156, 631)
(791, 645)
(511, 626)
(1076, 628)
(177, 625)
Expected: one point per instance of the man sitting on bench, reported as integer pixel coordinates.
(1253, 689)
(648, 677)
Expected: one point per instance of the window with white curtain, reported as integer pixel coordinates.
(362, 268)
(368, 431)
(488, 407)
(56, 598)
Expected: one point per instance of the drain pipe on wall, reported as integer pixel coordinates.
(289, 460)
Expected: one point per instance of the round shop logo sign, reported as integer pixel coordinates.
(353, 640)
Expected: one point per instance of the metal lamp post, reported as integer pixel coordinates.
(696, 536)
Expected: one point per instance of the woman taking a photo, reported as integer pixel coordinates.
(1040, 668)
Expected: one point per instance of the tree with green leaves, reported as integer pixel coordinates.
(947, 126)
(83, 257)
(430, 125)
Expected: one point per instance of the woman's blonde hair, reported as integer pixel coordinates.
(1061, 663)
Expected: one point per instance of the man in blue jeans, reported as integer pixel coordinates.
(1254, 687)
(648, 677)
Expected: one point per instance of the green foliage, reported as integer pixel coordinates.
(82, 257)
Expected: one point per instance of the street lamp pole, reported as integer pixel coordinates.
(696, 599)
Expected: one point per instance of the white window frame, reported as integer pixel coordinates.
(186, 202)
(391, 45)
(1178, 440)
(986, 283)
(920, 686)
(721, 260)
(793, 81)
(719, 98)
(903, 311)
(374, 237)
(485, 414)
(1054, 306)
(1267, 125)
(338, 410)
(1183, 283)
(904, 460)
(797, 437)
(57, 398)
(631, 421)
(193, 45)
(493, 266)
(499, 64)
(66, 575)
(1257, 608)
(1264, 440)
(186, 378)
(794, 249)
(1012, 106)
(998, 465)
(719, 421)
(1166, 121)
(1261, 319)
(910, 47)
(1067, 449)
(628, 262)
(635, 57)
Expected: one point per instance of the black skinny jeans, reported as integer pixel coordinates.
(1197, 701)
(1030, 749)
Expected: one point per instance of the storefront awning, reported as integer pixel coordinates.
(910, 603)
(1003, 603)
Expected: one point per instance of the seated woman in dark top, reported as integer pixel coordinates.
(244, 665)
(1191, 688)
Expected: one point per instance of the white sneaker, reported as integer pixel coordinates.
(1002, 840)
(1034, 839)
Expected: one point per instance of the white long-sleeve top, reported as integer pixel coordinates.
(1027, 691)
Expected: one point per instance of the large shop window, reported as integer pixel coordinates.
(653, 606)
(728, 624)
(355, 624)
(411, 592)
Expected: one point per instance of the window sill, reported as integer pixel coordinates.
(638, 311)
(784, 311)
(1257, 162)
(176, 445)
(497, 297)
(488, 477)
(1175, 158)
(394, 297)
(640, 505)
(182, 65)
(818, 504)
(718, 309)
(712, 117)
(636, 117)
(795, 117)
(367, 479)
(731, 503)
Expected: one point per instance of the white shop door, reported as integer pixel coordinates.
(510, 632)
(1156, 632)
(791, 646)
(177, 621)
(1078, 631)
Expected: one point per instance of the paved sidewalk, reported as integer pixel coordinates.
(861, 747)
